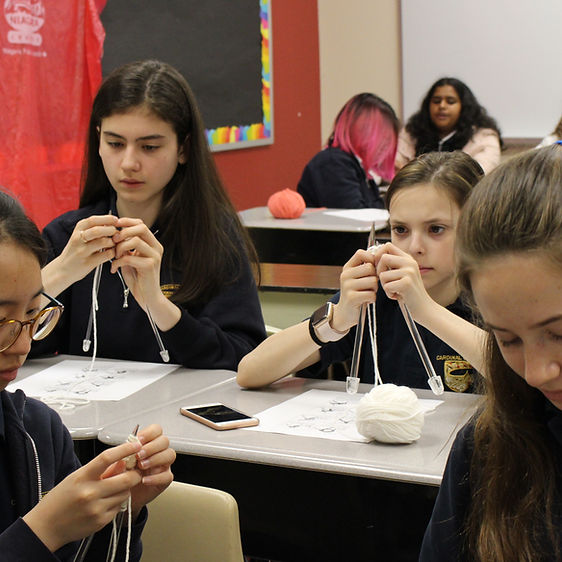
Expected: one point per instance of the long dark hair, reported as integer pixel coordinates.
(472, 116)
(199, 228)
(18, 228)
(517, 209)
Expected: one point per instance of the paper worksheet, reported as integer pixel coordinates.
(378, 216)
(108, 380)
(319, 413)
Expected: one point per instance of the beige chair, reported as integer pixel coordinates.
(190, 523)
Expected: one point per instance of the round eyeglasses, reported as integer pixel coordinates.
(39, 327)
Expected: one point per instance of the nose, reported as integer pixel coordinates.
(540, 367)
(417, 245)
(442, 104)
(130, 160)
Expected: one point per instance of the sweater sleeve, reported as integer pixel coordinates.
(219, 333)
(406, 150)
(442, 541)
(484, 147)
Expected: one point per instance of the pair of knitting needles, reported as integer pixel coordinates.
(352, 381)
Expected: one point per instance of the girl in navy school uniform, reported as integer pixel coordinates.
(450, 118)
(501, 494)
(154, 215)
(425, 200)
(47, 502)
(360, 153)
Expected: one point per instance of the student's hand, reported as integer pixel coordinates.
(86, 500)
(153, 463)
(90, 245)
(400, 277)
(358, 285)
(139, 255)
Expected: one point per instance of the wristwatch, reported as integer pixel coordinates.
(319, 325)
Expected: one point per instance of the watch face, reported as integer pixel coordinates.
(321, 313)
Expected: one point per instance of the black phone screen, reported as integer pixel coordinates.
(218, 413)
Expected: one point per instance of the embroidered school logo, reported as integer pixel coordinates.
(458, 375)
(26, 17)
(169, 289)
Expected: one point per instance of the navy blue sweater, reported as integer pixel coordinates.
(213, 335)
(443, 538)
(38, 455)
(334, 178)
(398, 358)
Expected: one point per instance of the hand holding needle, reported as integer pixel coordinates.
(352, 381)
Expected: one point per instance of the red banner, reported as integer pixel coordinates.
(50, 70)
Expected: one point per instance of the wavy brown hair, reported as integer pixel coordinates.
(517, 209)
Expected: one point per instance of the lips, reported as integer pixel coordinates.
(553, 395)
(8, 375)
(131, 182)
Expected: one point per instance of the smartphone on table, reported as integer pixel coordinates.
(218, 416)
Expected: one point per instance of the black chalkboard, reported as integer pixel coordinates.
(215, 44)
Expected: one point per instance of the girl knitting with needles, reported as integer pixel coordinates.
(156, 252)
(425, 200)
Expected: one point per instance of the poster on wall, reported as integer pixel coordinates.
(223, 49)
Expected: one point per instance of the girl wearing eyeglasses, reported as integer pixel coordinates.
(37, 460)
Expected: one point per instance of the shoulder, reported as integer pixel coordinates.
(484, 134)
(331, 155)
(460, 308)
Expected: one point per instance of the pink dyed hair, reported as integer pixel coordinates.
(367, 127)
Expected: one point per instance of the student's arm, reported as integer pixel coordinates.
(400, 278)
(484, 147)
(293, 349)
(89, 245)
(406, 150)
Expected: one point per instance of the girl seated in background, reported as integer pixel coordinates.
(47, 502)
(501, 495)
(359, 153)
(425, 200)
(155, 217)
(450, 118)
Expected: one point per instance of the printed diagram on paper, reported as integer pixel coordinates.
(316, 413)
(108, 380)
(319, 413)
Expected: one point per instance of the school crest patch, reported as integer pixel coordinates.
(458, 375)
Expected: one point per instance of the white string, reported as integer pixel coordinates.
(372, 323)
(95, 285)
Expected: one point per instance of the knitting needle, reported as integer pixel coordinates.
(352, 381)
(434, 381)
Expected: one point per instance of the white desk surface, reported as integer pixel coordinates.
(422, 462)
(311, 219)
(84, 422)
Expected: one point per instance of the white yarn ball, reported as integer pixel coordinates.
(390, 414)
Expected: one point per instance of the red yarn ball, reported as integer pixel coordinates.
(286, 204)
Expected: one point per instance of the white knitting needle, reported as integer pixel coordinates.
(352, 381)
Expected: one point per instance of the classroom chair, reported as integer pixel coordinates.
(190, 523)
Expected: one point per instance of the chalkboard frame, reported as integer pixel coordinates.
(223, 49)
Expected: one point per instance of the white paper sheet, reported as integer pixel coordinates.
(319, 413)
(109, 380)
(378, 216)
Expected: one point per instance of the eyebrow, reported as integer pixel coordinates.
(540, 324)
(11, 303)
(430, 221)
(147, 137)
